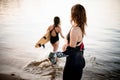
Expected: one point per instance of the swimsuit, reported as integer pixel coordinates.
(54, 39)
(75, 62)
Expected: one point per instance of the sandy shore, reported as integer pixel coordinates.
(10, 77)
(88, 75)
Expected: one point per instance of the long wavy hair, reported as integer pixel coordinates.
(56, 21)
(78, 15)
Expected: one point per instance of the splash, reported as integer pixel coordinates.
(44, 68)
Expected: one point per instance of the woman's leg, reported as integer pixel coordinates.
(55, 46)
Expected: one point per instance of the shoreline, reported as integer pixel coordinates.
(87, 75)
(112, 75)
(10, 77)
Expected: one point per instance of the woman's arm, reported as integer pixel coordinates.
(65, 45)
(61, 33)
(73, 37)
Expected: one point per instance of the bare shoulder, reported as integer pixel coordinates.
(50, 27)
(58, 28)
(74, 29)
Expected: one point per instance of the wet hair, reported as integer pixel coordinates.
(78, 15)
(56, 21)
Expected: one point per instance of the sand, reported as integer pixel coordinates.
(87, 75)
(10, 77)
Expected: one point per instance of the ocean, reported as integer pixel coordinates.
(23, 22)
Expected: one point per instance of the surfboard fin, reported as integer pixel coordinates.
(43, 46)
(44, 37)
(39, 45)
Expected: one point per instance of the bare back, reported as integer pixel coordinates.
(54, 30)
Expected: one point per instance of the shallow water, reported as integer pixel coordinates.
(23, 23)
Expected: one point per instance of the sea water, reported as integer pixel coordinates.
(22, 24)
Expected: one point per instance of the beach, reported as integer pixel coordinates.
(88, 75)
(24, 22)
(43, 70)
(10, 77)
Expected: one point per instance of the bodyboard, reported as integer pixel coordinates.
(42, 41)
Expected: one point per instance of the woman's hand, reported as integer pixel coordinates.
(64, 47)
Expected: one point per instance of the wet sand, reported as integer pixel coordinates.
(113, 75)
(10, 77)
(88, 75)
(46, 71)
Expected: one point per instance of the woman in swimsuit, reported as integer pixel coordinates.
(74, 47)
(55, 29)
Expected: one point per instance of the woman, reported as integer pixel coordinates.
(74, 47)
(55, 29)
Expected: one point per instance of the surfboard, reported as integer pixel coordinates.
(43, 40)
